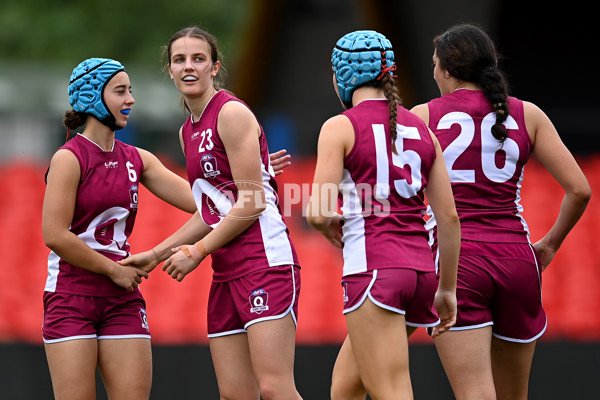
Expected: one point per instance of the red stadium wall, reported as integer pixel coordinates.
(177, 311)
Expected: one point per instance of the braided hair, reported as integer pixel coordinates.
(391, 94)
(469, 55)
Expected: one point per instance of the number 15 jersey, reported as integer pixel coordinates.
(382, 193)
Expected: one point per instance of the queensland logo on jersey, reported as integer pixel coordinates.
(259, 300)
(111, 164)
(144, 319)
(133, 196)
(209, 166)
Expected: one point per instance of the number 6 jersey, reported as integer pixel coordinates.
(266, 242)
(486, 175)
(104, 214)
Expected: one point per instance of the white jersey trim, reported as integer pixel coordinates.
(522, 340)
(520, 206)
(227, 333)
(276, 242)
(353, 231)
(466, 328)
(385, 307)
(53, 270)
(110, 337)
(66, 339)
(364, 297)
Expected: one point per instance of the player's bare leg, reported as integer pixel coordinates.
(345, 379)
(72, 367)
(233, 368)
(272, 348)
(511, 365)
(126, 368)
(465, 355)
(380, 347)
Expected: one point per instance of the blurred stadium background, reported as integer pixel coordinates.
(277, 56)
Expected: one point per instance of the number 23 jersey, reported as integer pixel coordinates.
(266, 242)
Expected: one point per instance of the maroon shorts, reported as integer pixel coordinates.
(72, 316)
(500, 284)
(266, 294)
(400, 290)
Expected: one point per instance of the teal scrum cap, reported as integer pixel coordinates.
(86, 87)
(359, 57)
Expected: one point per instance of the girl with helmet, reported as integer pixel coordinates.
(94, 312)
(499, 298)
(382, 160)
(253, 300)
(487, 138)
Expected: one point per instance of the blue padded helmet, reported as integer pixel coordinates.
(86, 87)
(357, 59)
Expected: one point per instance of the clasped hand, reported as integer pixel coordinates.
(179, 264)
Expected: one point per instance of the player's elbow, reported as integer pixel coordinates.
(449, 222)
(52, 239)
(579, 196)
(584, 194)
(315, 216)
(318, 222)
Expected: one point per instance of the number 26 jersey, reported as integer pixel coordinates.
(485, 174)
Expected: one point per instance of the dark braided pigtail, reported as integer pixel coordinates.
(391, 94)
(495, 89)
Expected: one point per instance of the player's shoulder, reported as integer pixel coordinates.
(411, 118)
(64, 156)
(234, 108)
(421, 111)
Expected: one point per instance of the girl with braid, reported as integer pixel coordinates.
(381, 160)
(487, 138)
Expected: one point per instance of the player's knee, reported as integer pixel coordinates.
(271, 390)
(340, 391)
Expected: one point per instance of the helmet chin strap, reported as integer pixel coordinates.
(110, 121)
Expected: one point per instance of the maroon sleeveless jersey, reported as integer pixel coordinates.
(266, 242)
(486, 175)
(381, 193)
(105, 210)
